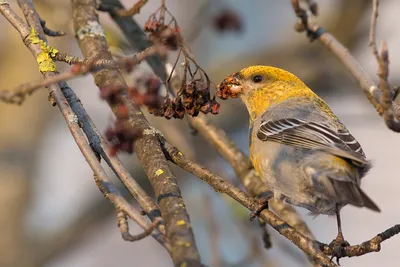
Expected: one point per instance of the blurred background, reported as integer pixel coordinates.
(52, 213)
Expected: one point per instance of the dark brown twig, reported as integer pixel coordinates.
(49, 32)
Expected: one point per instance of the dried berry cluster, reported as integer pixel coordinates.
(159, 32)
(195, 98)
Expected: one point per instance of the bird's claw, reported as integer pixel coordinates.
(262, 203)
(338, 246)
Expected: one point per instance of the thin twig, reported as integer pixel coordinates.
(379, 98)
(382, 59)
(124, 228)
(18, 95)
(50, 32)
(135, 9)
(135, 36)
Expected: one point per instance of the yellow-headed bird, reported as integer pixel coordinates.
(298, 146)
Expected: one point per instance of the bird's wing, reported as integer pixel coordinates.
(312, 135)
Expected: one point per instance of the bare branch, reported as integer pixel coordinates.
(372, 245)
(83, 67)
(111, 193)
(382, 59)
(135, 36)
(135, 9)
(147, 147)
(124, 228)
(380, 97)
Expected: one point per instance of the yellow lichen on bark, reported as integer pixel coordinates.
(44, 58)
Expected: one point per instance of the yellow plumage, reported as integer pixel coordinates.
(298, 146)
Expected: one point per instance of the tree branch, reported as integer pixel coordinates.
(100, 147)
(372, 245)
(18, 95)
(147, 147)
(135, 35)
(382, 59)
(113, 194)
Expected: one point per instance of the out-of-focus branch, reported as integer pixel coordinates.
(135, 35)
(18, 95)
(147, 146)
(379, 97)
(135, 9)
(48, 31)
(68, 114)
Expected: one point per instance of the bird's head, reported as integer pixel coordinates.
(261, 86)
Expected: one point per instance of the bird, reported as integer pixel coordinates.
(298, 146)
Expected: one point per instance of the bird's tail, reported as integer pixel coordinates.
(354, 195)
(367, 201)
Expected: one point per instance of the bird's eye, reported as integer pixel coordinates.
(257, 78)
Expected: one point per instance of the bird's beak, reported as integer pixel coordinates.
(229, 87)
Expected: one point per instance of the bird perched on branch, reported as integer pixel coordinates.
(298, 146)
